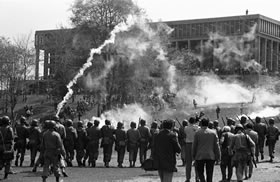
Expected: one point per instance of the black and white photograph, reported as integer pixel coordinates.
(139, 91)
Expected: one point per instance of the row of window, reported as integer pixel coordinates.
(231, 27)
(270, 28)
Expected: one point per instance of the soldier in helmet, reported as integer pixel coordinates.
(144, 140)
(70, 141)
(94, 135)
(120, 143)
(6, 138)
(241, 144)
(34, 140)
(89, 125)
(133, 139)
(272, 137)
(261, 129)
(107, 134)
(40, 160)
(182, 141)
(81, 143)
(22, 135)
(52, 148)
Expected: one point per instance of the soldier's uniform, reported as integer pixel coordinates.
(81, 143)
(254, 136)
(69, 142)
(34, 141)
(22, 135)
(89, 125)
(261, 129)
(6, 138)
(145, 136)
(133, 139)
(154, 131)
(120, 143)
(272, 137)
(241, 144)
(94, 134)
(107, 134)
(52, 148)
(226, 153)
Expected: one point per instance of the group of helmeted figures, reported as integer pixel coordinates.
(200, 141)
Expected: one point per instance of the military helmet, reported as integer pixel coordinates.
(271, 121)
(34, 122)
(80, 124)
(5, 120)
(239, 126)
(120, 125)
(51, 124)
(107, 122)
(96, 122)
(69, 122)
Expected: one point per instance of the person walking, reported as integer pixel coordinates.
(226, 153)
(70, 142)
(205, 151)
(133, 139)
(242, 145)
(34, 140)
(52, 148)
(80, 143)
(272, 138)
(166, 148)
(6, 144)
(21, 139)
(190, 131)
(261, 129)
(94, 135)
(107, 134)
(120, 143)
(144, 140)
(254, 136)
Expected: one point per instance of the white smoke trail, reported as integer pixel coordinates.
(121, 27)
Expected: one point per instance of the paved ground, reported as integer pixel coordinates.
(266, 172)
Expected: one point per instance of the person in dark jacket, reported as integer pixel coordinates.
(166, 147)
(205, 150)
(120, 143)
(94, 134)
(52, 148)
(6, 143)
(81, 143)
(34, 140)
(261, 129)
(69, 141)
(107, 134)
(22, 135)
(144, 140)
(133, 138)
(89, 125)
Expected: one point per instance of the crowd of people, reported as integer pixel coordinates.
(201, 142)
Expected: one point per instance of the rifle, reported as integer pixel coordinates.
(223, 121)
(265, 121)
(178, 122)
(238, 118)
(251, 119)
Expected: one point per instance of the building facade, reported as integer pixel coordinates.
(190, 34)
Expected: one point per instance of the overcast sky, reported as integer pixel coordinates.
(21, 17)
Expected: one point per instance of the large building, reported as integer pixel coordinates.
(191, 34)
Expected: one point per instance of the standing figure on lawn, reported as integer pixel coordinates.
(80, 143)
(133, 139)
(94, 135)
